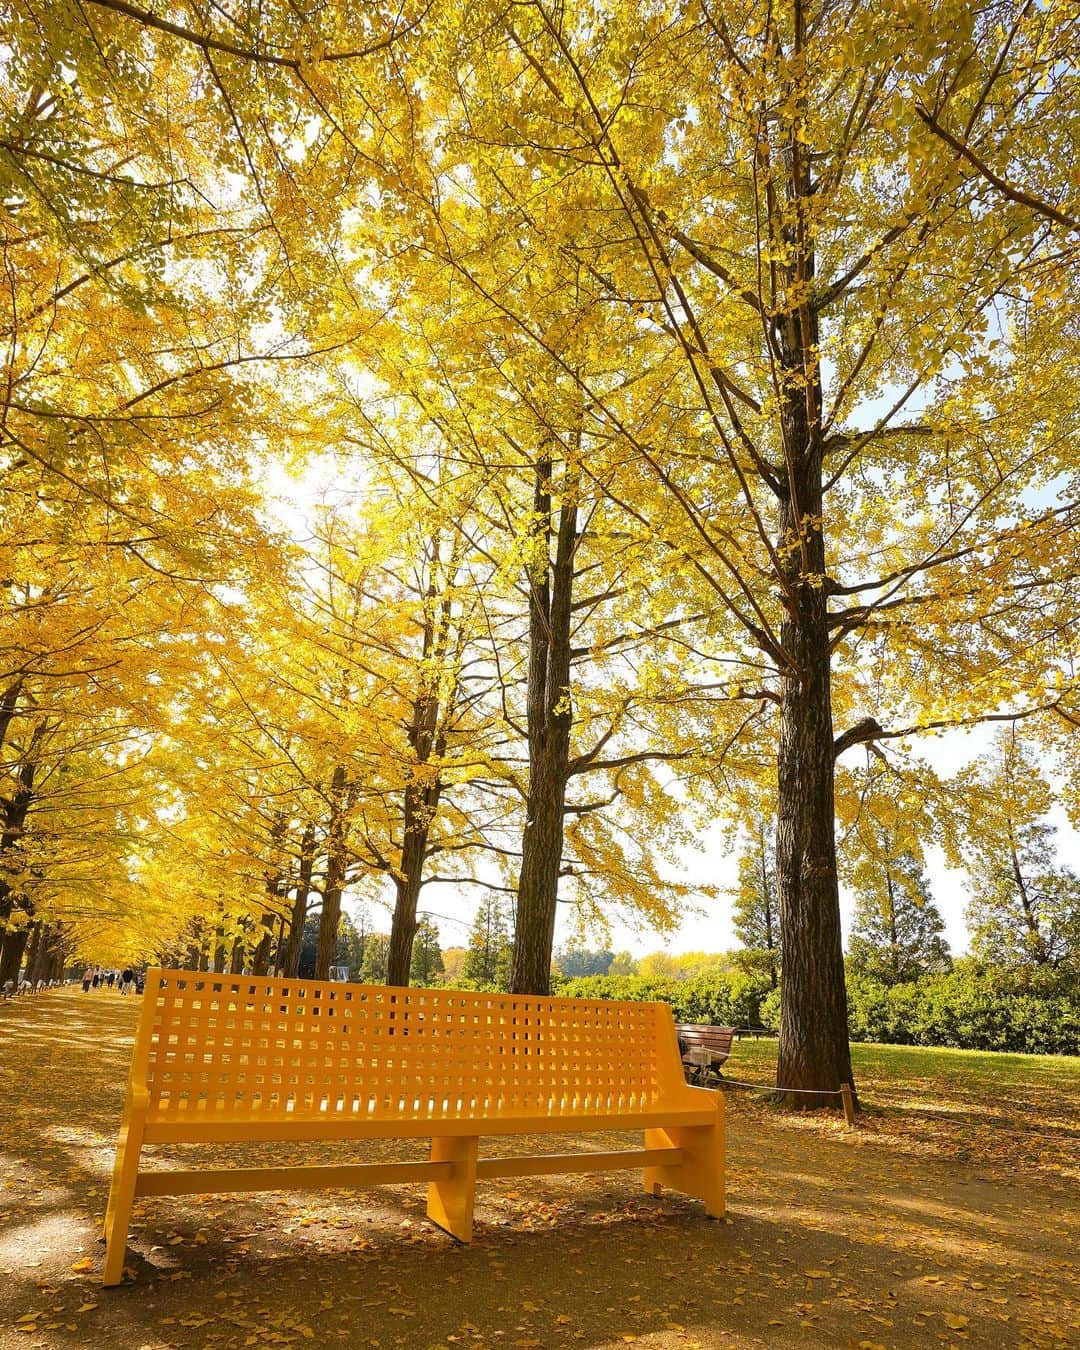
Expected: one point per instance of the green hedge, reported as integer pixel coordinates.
(970, 1008)
(730, 998)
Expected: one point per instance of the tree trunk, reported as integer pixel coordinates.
(40, 962)
(276, 887)
(279, 945)
(813, 1052)
(408, 882)
(813, 1056)
(336, 862)
(33, 950)
(1031, 921)
(427, 735)
(8, 706)
(15, 812)
(260, 961)
(549, 719)
(11, 954)
(300, 904)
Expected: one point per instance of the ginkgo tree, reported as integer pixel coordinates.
(869, 456)
(746, 336)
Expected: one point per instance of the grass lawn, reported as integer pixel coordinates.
(950, 1216)
(971, 1105)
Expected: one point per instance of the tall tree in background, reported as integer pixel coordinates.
(757, 910)
(1025, 905)
(896, 932)
(487, 958)
(426, 963)
(376, 954)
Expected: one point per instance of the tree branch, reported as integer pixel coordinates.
(1014, 194)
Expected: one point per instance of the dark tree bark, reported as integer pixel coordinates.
(427, 736)
(813, 1051)
(549, 719)
(9, 703)
(219, 952)
(260, 960)
(277, 885)
(300, 903)
(42, 962)
(33, 950)
(420, 806)
(13, 813)
(54, 961)
(279, 942)
(11, 954)
(336, 864)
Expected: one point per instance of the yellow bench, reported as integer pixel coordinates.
(226, 1058)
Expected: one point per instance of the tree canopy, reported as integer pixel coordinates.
(697, 387)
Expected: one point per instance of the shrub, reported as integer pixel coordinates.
(971, 1008)
(722, 998)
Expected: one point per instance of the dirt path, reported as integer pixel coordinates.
(831, 1239)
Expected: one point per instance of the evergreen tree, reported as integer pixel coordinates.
(376, 954)
(427, 958)
(897, 927)
(490, 944)
(574, 961)
(757, 912)
(348, 948)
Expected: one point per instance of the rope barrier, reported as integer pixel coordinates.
(844, 1092)
(771, 1087)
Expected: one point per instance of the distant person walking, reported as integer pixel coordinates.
(95, 979)
(127, 981)
(86, 977)
(111, 977)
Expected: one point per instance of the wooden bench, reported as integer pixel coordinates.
(704, 1049)
(223, 1059)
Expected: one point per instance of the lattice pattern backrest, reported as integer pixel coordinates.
(228, 1045)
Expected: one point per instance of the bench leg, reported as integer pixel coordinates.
(701, 1172)
(450, 1201)
(121, 1197)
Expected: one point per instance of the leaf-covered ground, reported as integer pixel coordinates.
(950, 1217)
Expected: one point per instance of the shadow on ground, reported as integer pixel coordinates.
(832, 1239)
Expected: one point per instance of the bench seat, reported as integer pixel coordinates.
(189, 1129)
(223, 1059)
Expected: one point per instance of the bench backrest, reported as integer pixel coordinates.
(710, 1038)
(222, 1046)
